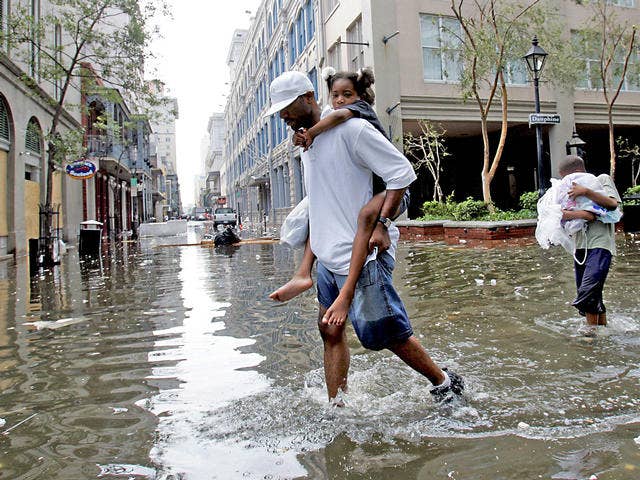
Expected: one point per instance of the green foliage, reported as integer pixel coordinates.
(433, 210)
(529, 201)
(498, 215)
(631, 191)
(470, 210)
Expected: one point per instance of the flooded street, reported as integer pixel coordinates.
(172, 363)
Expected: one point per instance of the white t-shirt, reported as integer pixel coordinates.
(337, 172)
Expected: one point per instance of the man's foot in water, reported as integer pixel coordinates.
(292, 288)
(452, 387)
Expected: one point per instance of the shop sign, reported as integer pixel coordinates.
(81, 169)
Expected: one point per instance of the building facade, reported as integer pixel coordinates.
(262, 173)
(163, 146)
(404, 42)
(26, 114)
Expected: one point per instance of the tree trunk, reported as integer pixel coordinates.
(612, 145)
(486, 175)
(45, 244)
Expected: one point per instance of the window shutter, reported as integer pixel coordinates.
(33, 137)
(4, 122)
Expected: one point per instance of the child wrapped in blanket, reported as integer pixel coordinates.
(555, 226)
(583, 203)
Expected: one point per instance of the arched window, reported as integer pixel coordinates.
(33, 139)
(5, 133)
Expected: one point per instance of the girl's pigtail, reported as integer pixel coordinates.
(365, 79)
(327, 75)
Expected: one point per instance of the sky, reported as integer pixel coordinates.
(191, 60)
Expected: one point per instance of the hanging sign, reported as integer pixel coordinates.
(81, 169)
(544, 119)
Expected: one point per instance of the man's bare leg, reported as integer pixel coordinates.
(592, 318)
(414, 355)
(602, 319)
(301, 280)
(336, 355)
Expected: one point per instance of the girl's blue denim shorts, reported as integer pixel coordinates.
(377, 313)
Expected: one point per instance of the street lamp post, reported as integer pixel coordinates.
(575, 143)
(535, 59)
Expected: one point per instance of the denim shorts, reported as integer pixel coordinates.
(377, 313)
(590, 278)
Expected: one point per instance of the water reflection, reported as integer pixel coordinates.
(170, 362)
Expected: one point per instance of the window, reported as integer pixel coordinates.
(329, 5)
(440, 48)
(356, 52)
(515, 72)
(313, 76)
(310, 20)
(33, 138)
(334, 56)
(293, 53)
(5, 135)
(588, 47)
(300, 27)
(622, 3)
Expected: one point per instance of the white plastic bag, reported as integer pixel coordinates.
(295, 228)
(549, 230)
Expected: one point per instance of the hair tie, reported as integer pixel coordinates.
(327, 73)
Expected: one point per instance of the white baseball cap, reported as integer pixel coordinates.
(285, 88)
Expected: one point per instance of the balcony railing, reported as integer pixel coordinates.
(130, 156)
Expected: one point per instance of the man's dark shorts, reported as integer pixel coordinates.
(377, 313)
(590, 278)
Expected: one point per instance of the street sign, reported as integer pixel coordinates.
(544, 119)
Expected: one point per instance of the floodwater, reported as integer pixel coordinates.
(171, 363)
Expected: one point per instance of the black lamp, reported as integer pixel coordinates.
(575, 142)
(535, 59)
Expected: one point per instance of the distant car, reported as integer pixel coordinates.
(224, 216)
(201, 217)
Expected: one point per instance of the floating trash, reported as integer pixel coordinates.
(126, 470)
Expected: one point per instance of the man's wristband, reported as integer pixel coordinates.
(385, 221)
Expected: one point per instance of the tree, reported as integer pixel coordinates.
(110, 35)
(428, 150)
(631, 152)
(493, 36)
(606, 47)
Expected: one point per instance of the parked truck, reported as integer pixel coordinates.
(224, 216)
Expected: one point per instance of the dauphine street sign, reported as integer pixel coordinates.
(544, 119)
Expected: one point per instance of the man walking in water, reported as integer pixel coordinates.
(338, 175)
